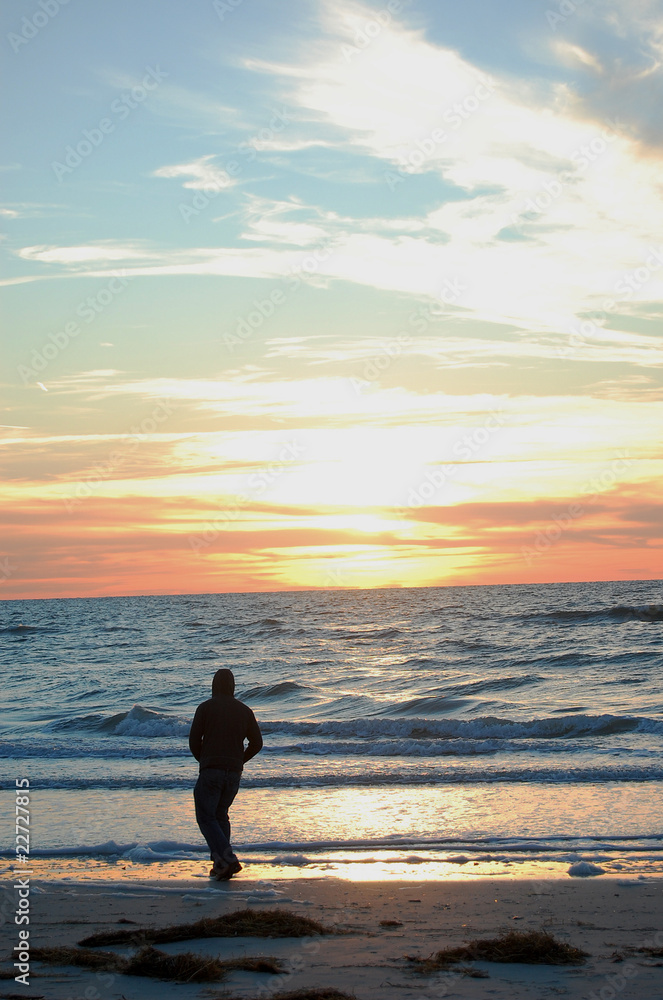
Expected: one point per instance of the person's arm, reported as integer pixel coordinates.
(196, 734)
(254, 737)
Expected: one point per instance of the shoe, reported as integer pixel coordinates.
(219, 866)
(227, 873)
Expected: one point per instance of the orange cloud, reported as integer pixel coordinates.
(144, 545)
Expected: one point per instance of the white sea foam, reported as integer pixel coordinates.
(299, 853)
(585, 869)
(141, 722)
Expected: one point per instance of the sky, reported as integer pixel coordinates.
(329, 294)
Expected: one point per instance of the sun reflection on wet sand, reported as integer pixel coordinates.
(362, 867)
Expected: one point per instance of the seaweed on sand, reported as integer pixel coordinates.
(240, 923)
(309, 993)
(63, 955)
(526, 947)
(182, 968)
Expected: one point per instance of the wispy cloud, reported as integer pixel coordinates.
(203, 174)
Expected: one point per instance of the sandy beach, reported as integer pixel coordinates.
(609, 919)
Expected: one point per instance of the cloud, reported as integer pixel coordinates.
(204, 175)
(587, 207)
(105, 252)
(625, 64)
(553, 214)
(272, 221)
(55, 552)
(574, 54)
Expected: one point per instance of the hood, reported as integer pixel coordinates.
(223, 682)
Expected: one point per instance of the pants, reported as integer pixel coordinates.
(213, 796)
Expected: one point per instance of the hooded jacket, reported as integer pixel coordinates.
(220, 726)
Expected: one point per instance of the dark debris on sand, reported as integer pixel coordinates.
(183, 968)
(63, 955)
(312, 993)
(525, 947)
(22, 996)
(257, 963)
(240, 923)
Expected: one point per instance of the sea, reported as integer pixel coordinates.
(442, 732)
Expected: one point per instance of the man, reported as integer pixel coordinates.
(216, 740)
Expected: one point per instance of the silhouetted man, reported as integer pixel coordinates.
(216, 740)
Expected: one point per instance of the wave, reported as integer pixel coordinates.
(424, 748)
(283, 689)
(22, 629)
(551, 846)
(433, 705)
(434, 775)
(92, 693)
(138, 721)
(486, 727)
(441, 702)
(498, 684)
(644, 612)
(268, 624)
(91, 749)
(102, 749)
(144, 722)
(618, 612)
(384, 633)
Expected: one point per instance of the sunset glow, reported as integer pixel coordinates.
(331, 305)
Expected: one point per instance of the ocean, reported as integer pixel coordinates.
(440, 732)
